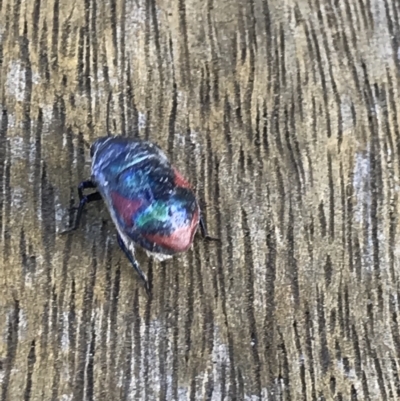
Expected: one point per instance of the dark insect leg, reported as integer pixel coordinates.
(134, 263)
(84, 185)
(83, 199)
(204, 232)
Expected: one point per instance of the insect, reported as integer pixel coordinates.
(149, 201)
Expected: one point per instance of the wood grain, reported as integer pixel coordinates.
(284, 115)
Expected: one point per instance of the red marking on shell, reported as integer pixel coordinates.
(125, 208)
(179, 180)
(181, 239)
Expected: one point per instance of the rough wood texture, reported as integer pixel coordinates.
(284, 116)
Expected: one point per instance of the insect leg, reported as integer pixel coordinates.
(83, 199)
(204, 232)
(134, 263)
(84, 185)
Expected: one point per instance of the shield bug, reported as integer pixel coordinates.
(150, 202)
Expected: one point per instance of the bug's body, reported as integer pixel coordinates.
(150, 203)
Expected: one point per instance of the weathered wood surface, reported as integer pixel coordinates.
(284, 114)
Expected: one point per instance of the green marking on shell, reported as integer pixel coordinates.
(157, 211)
